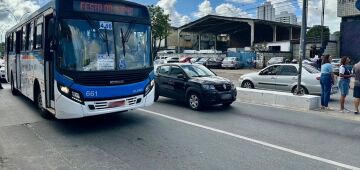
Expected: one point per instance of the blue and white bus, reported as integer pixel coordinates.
(79, 58)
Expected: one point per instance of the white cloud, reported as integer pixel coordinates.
(204, 9)
(230, 10)
(242, 1)
(169, 8)
(314, 14)
(19, 9)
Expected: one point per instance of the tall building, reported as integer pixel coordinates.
(286, 17)
(266, 12)
(349, 11)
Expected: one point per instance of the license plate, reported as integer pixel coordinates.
(117, 104)
(226, 96)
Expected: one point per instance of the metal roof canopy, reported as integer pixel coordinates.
(214, 24)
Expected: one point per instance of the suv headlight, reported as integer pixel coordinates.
(208, 87)
(71, 94)
(149, 87)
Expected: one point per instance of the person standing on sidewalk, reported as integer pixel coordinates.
(356, 72)
(344, 83)
(327, 79)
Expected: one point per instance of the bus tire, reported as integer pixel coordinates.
(13, 90)
(39, 104)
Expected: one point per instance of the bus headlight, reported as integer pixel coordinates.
(149, 87)
(64, 89)
(71, 94)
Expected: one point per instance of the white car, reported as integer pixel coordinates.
(2, 69)
(2, 73)
(283, 77)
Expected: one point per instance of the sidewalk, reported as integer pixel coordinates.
(234, 76)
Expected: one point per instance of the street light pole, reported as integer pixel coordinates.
(302, 50)
(322, 24)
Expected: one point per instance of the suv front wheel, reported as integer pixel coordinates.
(194, 101)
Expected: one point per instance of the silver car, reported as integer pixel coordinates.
(231, 62)
(283, 77)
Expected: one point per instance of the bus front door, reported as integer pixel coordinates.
(49, 62)
(17, 60)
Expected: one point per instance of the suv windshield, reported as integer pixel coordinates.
(89, 45)
(197, 71)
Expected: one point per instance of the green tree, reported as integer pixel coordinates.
(314, 34)
(160, 23)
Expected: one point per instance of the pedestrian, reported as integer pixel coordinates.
(356, 72)
(344, 83)
(327, 79)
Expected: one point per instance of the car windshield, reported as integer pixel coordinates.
(276, 59)
(89, 45)
(311, 69)
(230, 59)
(203, 59)
(197, 71)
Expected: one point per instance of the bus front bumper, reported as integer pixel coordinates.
(69, 109)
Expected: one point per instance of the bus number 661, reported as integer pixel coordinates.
(91, 93)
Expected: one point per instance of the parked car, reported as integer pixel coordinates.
(195, 84)
(172, 59)
(2, 70)
(158, 62)
(203, 61)
(2, 73)
(231, 62)
(214, 62)
(276, 60)
(185, 59)
(283, 77)
(336, 65)
(195, 59)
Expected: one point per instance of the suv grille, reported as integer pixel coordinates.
(220, 87)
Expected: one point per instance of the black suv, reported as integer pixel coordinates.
(193, 83)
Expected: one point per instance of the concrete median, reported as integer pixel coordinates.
(278, 99)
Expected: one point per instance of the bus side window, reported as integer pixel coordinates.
(23, 40)
(18, 41)
(31, 36)
(39, 36)
(13, 39)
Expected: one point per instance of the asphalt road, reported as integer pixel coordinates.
(168, 135)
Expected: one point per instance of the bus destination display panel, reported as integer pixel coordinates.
(108, 8)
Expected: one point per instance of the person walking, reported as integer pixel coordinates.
(327, 79)
(344, 83)
(356, 72)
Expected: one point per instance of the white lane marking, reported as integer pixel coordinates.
(255, 141)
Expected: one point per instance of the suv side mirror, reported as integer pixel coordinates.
(181, 76)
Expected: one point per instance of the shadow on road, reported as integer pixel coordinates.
(98, 124)
(206, 109)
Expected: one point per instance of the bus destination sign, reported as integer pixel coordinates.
(107, 8)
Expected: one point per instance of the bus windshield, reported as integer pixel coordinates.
(90, 45)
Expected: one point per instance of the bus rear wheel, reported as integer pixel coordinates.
(13, 90)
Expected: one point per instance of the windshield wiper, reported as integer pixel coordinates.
(102, 36)
(125, 38)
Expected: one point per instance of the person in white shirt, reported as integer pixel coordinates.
(344, 83)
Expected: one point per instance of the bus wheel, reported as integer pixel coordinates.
(13, 90)
(39, 105)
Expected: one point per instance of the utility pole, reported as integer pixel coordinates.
(322, 24)
(302, 50)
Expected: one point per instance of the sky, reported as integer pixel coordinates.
(185, 11)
